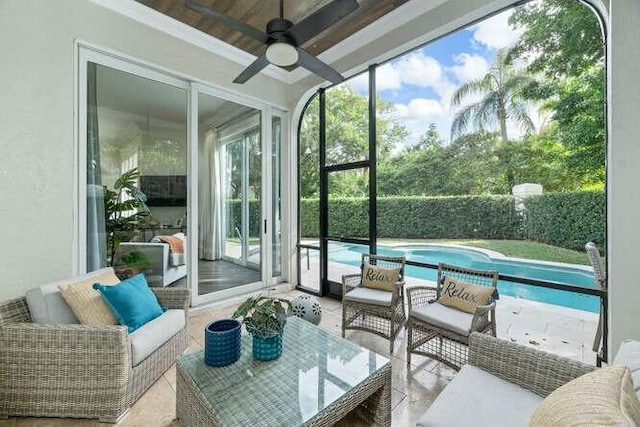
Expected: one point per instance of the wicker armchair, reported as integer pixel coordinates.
(505, 368)
(372, 310)
(77, 371)
(440, 332)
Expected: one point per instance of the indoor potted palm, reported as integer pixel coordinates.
(265, 317)
(124, 206)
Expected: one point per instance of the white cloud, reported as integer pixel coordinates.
(419, 70)
(469, 67)
(360, 83)
(388, 77)
(415, 69)
(418, 114)
(495, 32)
(419, 108)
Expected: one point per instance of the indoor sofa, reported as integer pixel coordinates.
(52, 366)
(505, 384)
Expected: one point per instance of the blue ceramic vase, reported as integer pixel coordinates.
(222, 342)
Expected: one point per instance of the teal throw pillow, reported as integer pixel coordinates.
(131, 301)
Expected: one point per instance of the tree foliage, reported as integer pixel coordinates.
(561, 37)
(557, 65)
(501, 100)
(563, 41)
(347, 138)
(579, 113)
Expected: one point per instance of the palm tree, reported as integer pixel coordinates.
(501, 100)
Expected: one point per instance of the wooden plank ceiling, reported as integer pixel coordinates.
(258, 12)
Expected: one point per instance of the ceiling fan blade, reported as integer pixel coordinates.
(397, 3)
(253, 69)
(318, 67)
(319, 21)
(228, 21)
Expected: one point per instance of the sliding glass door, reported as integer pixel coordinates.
(162, 158)
(136, 170)
(239, 207)
(242, 174)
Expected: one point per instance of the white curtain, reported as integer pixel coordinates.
(209, 184)
(96, 227)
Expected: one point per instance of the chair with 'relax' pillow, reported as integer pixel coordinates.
(442, 318)
(373, 301)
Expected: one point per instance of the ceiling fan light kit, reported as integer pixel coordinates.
(283, 38)
(282, 54)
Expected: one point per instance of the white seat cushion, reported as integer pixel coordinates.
(150, 336)
(476, 398)
(47, 305)
(444, 317)
(369, 296)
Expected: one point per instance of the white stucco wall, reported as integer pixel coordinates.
(37, 122)
(623, 172)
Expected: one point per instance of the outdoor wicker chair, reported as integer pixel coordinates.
(374, 310)
(441, 332)
(600, 275)
(75, 370)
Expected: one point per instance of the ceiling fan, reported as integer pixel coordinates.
(284, 38)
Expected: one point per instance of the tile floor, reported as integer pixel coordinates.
(555, 329)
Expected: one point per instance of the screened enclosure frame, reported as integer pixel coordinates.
(332, 288)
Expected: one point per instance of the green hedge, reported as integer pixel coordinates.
(460, 217)
(566, 219)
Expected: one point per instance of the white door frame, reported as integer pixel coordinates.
(87, 52)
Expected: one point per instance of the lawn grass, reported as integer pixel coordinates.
(514, 248)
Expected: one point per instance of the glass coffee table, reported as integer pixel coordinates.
(318, 380)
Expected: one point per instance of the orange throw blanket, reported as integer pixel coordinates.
(176, 249)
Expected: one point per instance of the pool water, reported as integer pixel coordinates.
(470, 258)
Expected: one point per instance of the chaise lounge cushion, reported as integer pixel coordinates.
(472, 398)
(444, 317)
(149, 337)
(46, 304)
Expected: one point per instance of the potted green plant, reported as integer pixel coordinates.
(131, 264)
(265, 317)
(124, 206)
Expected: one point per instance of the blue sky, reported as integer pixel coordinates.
(419, 84)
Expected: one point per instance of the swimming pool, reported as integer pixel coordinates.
(488, 260)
